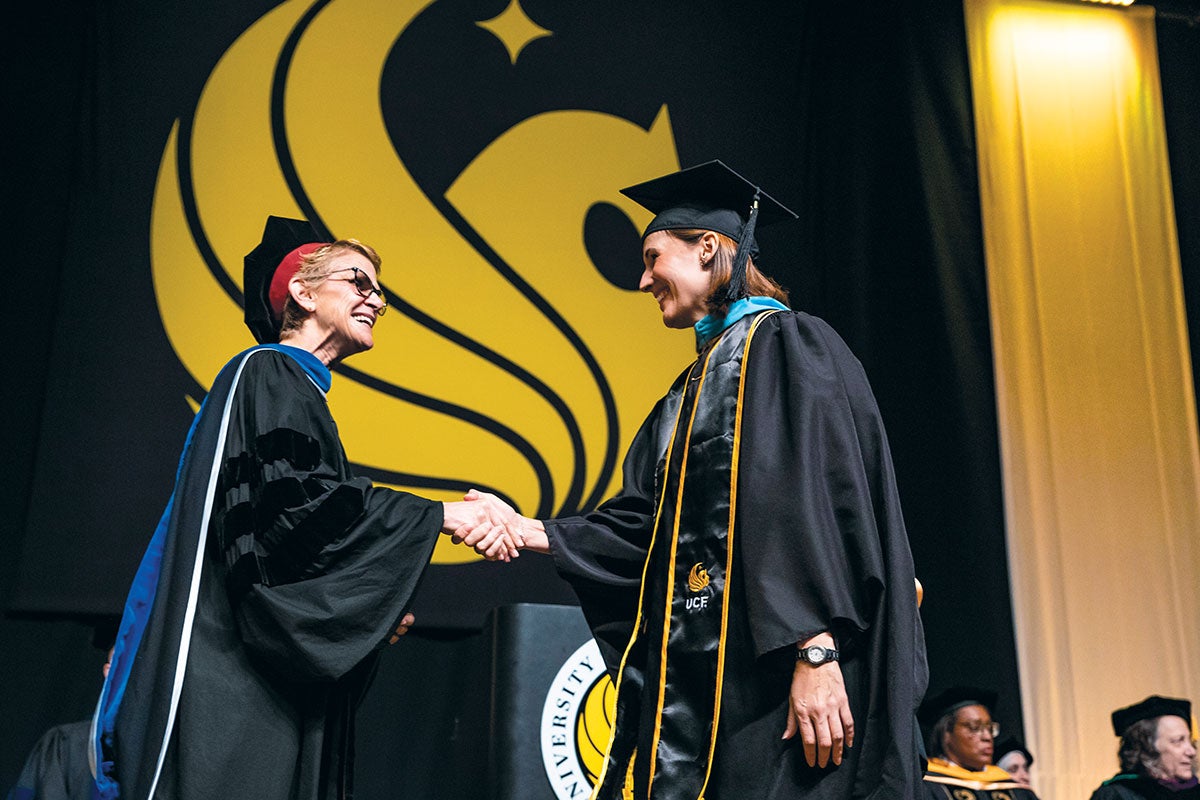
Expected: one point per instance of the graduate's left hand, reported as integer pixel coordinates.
(820, 710)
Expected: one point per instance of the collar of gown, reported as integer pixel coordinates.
(989, 774)
(312, 365)
(712, 325)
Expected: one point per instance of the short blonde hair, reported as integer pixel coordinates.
(313, 270)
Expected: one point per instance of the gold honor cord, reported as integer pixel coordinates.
(733, 483)
(637, 623)
(666, 634)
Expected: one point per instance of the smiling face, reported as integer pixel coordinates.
(672, 273)
(968, 742)
(1176, 750)
(341, 320)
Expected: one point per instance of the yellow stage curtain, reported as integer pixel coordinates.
(1093, 375)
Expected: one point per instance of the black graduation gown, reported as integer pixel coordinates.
(305, 572)
(57, 766)
(1140, 787)
(820, 545)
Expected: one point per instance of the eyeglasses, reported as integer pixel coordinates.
(975, 727)
(364, 286)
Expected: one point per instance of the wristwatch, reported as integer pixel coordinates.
(815, 654)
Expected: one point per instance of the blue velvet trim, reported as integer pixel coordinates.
(711, 326)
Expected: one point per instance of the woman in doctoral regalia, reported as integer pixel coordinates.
(1157, 752)
(752, 580)
(275, 575)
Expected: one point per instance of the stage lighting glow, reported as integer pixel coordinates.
(1053, 38)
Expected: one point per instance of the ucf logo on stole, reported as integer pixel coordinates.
(698, 581)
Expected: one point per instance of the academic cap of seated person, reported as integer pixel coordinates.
(1011, 744)
(1150, 708)
(269, 267)
(712, 197)
(934, 708)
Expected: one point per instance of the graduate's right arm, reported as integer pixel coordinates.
(606, 546)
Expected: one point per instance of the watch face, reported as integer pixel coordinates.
(814, 654)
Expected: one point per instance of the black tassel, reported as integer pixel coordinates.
(736, 288)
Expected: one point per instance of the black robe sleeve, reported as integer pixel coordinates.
(822, 531)
(602, 554)
(823, 542)
(321, 565)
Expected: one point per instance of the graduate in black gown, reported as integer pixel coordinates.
(1157, 752)
(275, 575)
(751, 586)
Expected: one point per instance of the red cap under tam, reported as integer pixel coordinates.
(278, 293)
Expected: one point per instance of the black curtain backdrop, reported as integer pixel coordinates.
(896, 243)
(858, 116)
(1179, 65)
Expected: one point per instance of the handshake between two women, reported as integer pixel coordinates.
(492, 527)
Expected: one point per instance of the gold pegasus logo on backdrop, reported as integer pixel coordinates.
(698, 579)
(508, 361)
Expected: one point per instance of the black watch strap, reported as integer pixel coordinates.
(815, 654)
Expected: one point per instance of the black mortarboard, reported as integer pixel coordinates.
(1011, 744)
(952, 699)
(1150, 708)
(711, 196)
(281, 238)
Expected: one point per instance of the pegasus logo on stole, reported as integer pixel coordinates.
(698, 581)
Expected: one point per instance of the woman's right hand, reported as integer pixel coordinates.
(484, 522)
(505, 525)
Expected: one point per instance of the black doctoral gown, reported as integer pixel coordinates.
(1126, 786)
(253, 627)
(820, 545)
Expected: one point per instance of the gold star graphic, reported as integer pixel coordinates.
(514, 28)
